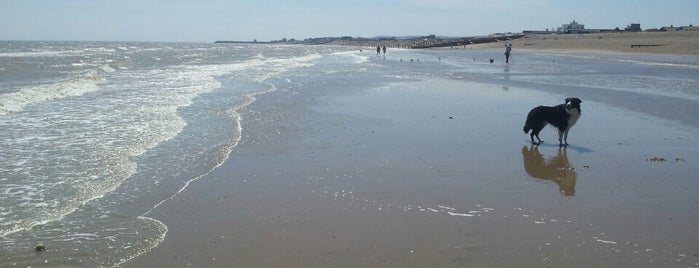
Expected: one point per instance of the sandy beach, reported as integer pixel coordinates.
(686, 43)
(338, 134)
(438, 173)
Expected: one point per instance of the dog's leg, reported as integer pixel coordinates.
(535, 133)
(565, 136)
(560, 137)
(537, 137)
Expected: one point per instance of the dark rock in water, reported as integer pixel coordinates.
(40, 247)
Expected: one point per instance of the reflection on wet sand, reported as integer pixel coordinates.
(556, 168)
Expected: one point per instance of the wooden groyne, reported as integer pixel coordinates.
(456, 42)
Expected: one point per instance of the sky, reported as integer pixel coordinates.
(265, 20)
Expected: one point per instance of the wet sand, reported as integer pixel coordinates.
(681, 43)
(438, 174)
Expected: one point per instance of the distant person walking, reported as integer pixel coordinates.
(378, 50)
(508, 49)
(384, 50)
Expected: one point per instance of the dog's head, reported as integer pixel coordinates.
(573, 103)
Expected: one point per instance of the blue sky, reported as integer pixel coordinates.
(210, 20)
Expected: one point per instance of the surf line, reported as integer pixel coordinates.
(250, 98)
(152, 245)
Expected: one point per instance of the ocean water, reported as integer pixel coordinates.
(96, 135)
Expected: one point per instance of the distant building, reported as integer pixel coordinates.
(633, 27)
(572, 27)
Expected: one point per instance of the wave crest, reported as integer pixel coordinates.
(16, 101)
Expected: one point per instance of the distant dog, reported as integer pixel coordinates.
(563, 117)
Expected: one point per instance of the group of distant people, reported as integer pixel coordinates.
(508, 50)
(378, 50)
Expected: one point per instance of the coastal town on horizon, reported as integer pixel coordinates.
(427, 41)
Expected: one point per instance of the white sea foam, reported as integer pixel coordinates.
(16, 101)
(606, 241)
(354, 56)
(151, 243)
(99, 50)
(118, 129)
(48, 53)
(106, 68)
(461, 214)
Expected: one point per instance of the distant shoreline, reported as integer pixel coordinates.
(678, 43)
(427, 42)
(430, 41)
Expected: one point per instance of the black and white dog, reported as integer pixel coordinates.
(563, 117)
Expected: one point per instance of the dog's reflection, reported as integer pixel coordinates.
(556, 168)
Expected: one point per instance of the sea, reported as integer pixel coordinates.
(95, 136)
